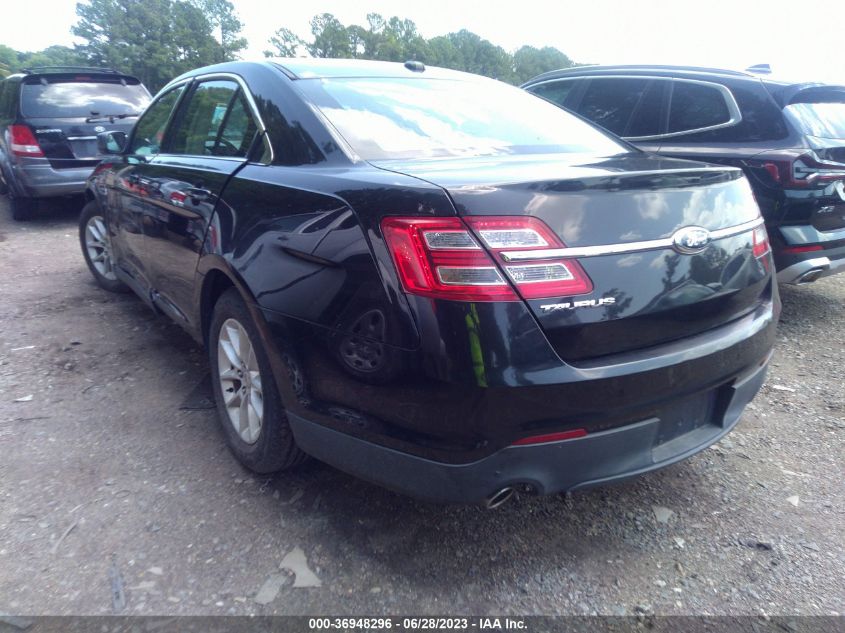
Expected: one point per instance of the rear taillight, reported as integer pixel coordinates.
(806, 170)
(23, 142)
(795, 250)
(760, 241)
(438, 257)
(553, 277)
(443, 258)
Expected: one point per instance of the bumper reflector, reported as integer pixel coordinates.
(551, 437)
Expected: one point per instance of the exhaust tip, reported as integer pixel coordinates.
(499, 498)
(810, 276)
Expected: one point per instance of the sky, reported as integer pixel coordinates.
(804, 40)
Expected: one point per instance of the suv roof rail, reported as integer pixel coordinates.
(721, 71)
(69, 69)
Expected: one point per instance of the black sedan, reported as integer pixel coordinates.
(435, 281)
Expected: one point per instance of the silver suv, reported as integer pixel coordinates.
(49, 121)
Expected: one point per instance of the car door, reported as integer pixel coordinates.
(211, 138)
(130, 191)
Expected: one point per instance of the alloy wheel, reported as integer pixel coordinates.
(99, 247)
(240, 380)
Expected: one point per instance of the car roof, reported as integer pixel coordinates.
(322, 68)
(644, 69)
(64, 71)
(772, 81)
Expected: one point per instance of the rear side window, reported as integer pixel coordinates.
(649, 115)
(695, 106)
(554, 91)
(215, 122)
(825, 120)
(610, 102)
(149, 131)
(75, 98)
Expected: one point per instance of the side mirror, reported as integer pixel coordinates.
(110, 143)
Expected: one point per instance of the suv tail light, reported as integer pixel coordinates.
(442, 258)
(23, 142)
(806, 170)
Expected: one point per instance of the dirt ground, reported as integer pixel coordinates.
(115, 500)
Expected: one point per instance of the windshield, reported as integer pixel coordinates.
(387, 118)
(82, 99)
(825, 120)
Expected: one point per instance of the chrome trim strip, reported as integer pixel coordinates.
(734, 112)
(81, 138)
(620, 249)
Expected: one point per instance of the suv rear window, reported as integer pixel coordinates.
(825, 120)
(386, 118)
(80, 98)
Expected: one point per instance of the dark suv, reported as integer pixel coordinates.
(788, 138)
(49, 121)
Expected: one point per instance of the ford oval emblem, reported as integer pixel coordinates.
(690, 240)
(99, 128)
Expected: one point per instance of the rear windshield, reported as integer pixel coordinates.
(387, 118)
(79, 99)
(825, 120)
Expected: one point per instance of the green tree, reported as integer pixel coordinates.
(331, 39)
(152, 39)
(467, 51)
(396, 39)
(8, 60)
(223, 19)
(285, 43)
(529, 62)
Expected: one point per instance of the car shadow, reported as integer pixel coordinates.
(52, 211)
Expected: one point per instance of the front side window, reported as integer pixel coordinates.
(610, 102)
(215, 122)
(696, 106)
(397, 118)
(149, 131)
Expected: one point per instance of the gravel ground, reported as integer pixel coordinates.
(112, 499)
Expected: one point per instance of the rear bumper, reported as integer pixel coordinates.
(810, 270)
(36, 178)
(801, 268)
(596, 459)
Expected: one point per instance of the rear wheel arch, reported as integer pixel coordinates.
(217, 279)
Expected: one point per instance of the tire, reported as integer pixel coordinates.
(23, 209)
(270, 447)
(95, 242)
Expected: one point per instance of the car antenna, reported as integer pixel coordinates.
(415, 66)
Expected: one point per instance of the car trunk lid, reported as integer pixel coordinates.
(618, 216)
